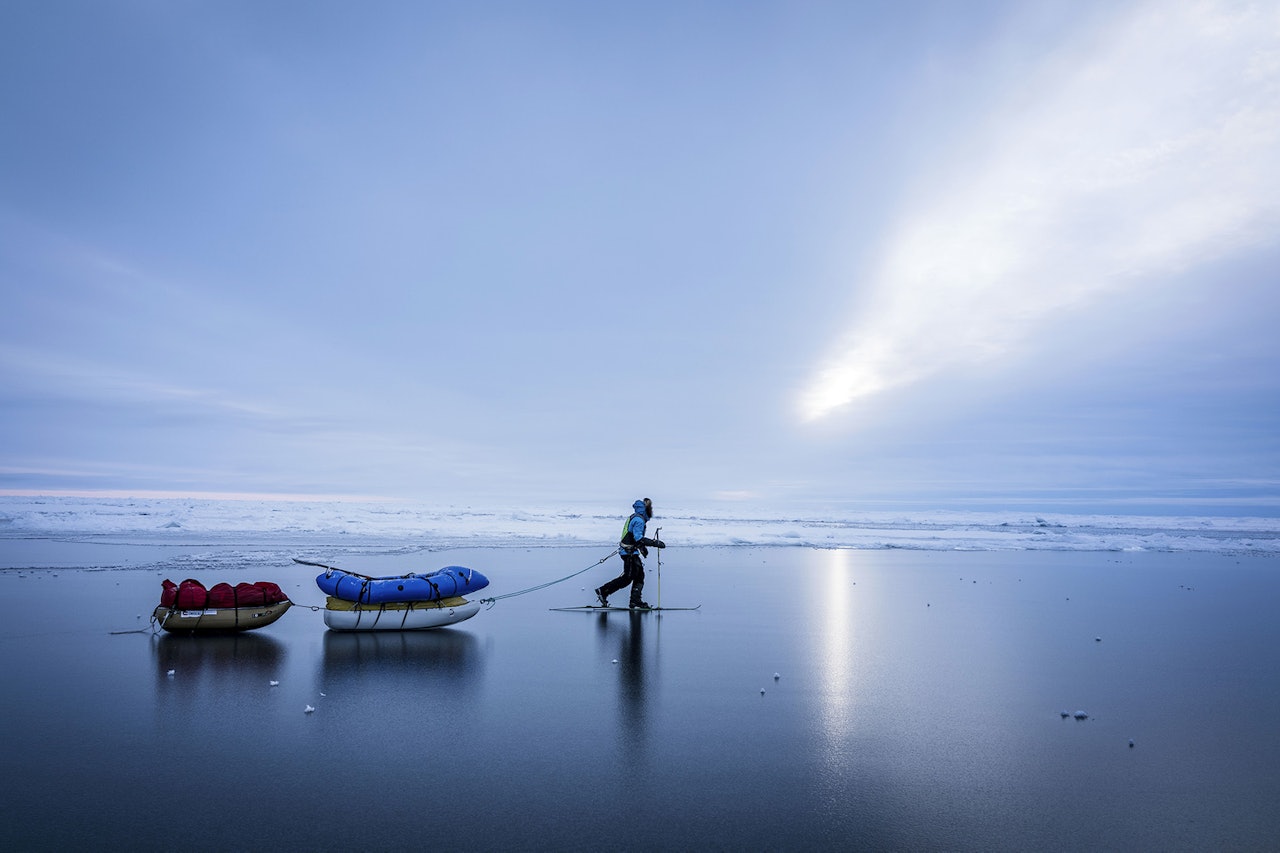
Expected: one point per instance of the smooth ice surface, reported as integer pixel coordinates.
(918, 705)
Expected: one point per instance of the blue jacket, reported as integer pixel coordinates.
(635, 526)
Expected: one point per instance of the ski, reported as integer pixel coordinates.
(586, 608)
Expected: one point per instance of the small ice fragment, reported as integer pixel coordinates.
(1131, 743)
(1081, 715)
(324, 694)
(170, 673)
(615, 660)
(1066, 714)
(308, 710)
(761, 691)
(1097, 639)
(776, 676)
(274, 683)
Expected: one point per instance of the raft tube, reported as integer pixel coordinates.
(342, 615)
(445, 583)
(215, 620)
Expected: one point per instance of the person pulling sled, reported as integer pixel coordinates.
(631, 548)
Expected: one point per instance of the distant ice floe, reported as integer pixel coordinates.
(247, 521)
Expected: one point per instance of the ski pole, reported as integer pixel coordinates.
(658, 536)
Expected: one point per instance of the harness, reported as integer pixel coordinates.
(627, 544)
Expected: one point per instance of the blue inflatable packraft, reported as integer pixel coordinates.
(444, 583)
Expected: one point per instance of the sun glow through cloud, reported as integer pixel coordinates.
(1144, 152)
(872, 255)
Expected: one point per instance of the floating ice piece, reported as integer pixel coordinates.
(324, 694)
(1081, 715)
(1066, 714)
(170, 673)
(308, 710)
(1131, 743)
(1097, 639)
(274, 683)
(776, 676)
(615, 660)
(761, 691)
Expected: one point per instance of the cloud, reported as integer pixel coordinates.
(62, 375)
(1141, 150)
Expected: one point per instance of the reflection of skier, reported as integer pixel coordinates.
(633, 544)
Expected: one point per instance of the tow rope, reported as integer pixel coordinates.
(489, 602)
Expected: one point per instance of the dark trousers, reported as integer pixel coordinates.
(632, 573)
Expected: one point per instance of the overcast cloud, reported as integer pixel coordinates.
(939, 254)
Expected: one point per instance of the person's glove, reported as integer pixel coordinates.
(652, 543)
(644, 552)
(658, 543)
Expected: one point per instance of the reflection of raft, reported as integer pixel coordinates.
(342, 615)
(220, 656)
(189, 607)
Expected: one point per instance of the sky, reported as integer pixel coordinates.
(855, 254)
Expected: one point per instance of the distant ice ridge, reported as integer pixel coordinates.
(417, 527)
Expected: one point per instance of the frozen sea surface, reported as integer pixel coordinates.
(918, 703)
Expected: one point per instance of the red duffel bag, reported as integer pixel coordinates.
(191, 595)
(222, 596)
(271, 592)
(249, 595)
(168, 593)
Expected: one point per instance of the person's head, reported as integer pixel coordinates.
(644, 506)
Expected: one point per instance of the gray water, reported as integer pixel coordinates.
(917, 707)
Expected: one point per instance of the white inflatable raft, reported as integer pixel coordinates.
(341, 615)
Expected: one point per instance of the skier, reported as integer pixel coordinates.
(632, 546)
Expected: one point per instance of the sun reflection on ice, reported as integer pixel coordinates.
(837, 664)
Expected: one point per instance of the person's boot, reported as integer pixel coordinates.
(640, 605)
(602, 598)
